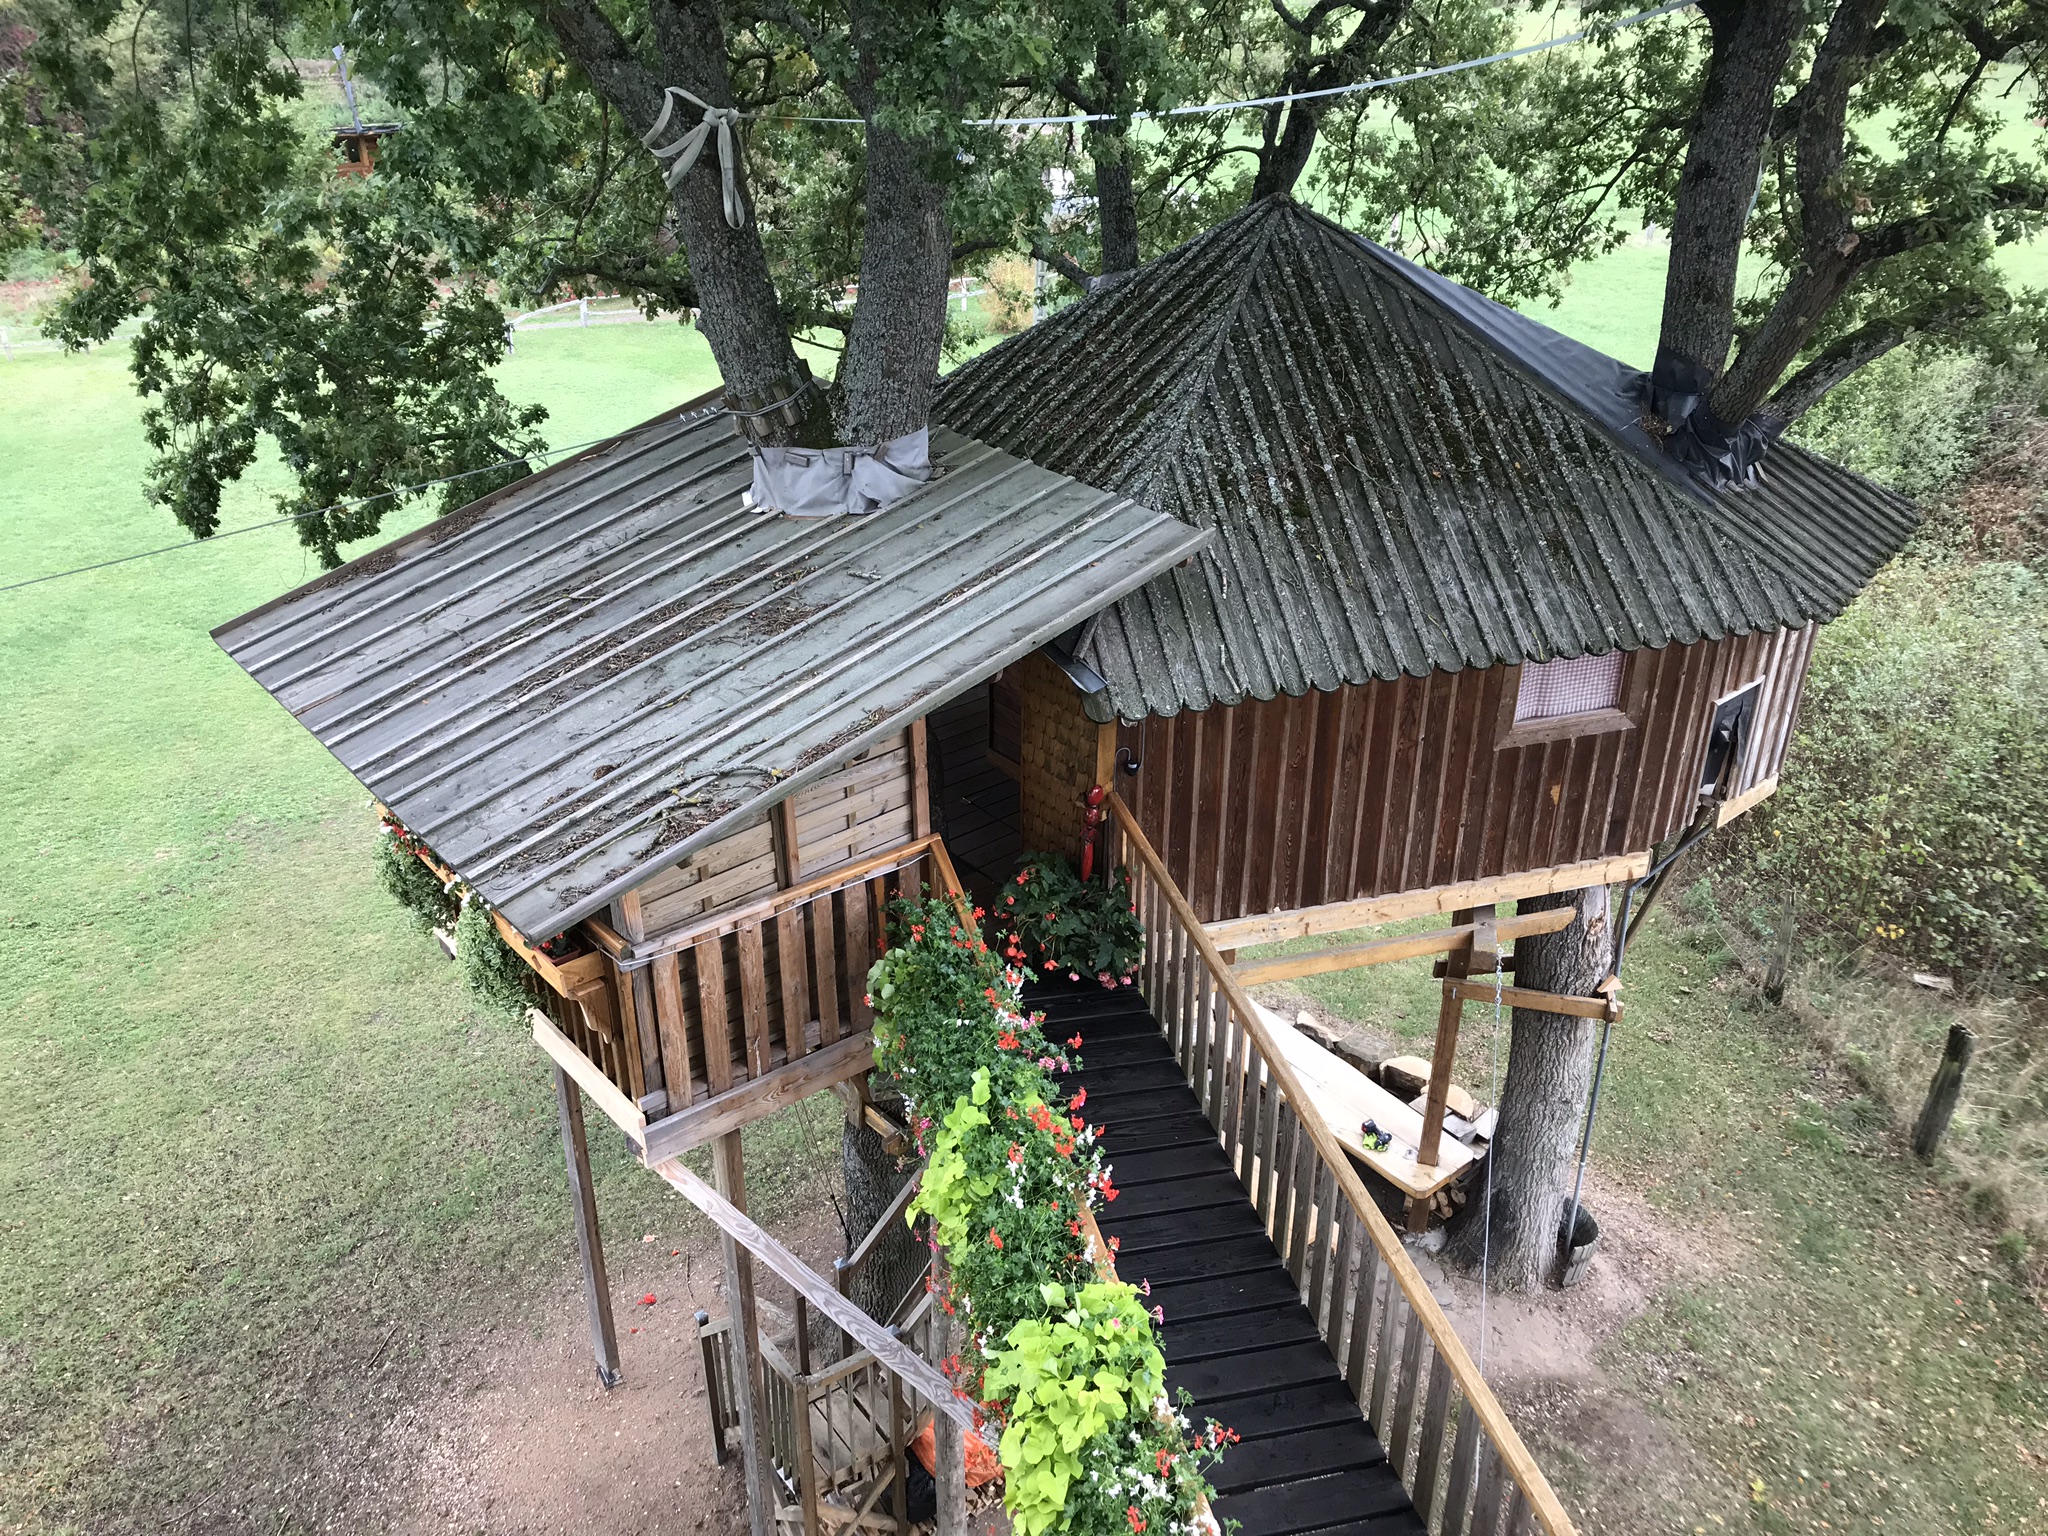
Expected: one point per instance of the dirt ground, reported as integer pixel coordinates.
(530, 1445)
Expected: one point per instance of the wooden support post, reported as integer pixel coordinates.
(920, 781)
(641, 1018)
(597, 1296)
(789, 864)
(728, 1171)
(1457, 965)
(1943, 1092)
(950, 1441)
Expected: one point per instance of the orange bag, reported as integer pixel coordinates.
(982, 1465)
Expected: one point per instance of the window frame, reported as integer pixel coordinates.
(1625, 716)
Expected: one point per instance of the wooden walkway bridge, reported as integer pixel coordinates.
(1237, 1336)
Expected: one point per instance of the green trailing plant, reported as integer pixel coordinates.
(497, 976)
(1065, 1361)
(1064, 926)
(425, 895)
(494, 973)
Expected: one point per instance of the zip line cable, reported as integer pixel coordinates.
(1256, 101)
(721, 119)
(295, 517)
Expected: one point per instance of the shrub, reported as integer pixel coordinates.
(1063, 926)
(1913, 420)
(1066, 1362)
(1915, 803)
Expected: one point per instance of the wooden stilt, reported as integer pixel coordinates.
(728, 1171)
(597, 1296)
(1457, 964)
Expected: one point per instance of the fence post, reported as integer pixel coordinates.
(583, 312)
(1943, 1092)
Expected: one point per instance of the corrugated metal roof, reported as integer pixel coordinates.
(1396, 484)
(603, 668)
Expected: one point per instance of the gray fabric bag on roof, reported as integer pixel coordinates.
(829, 482)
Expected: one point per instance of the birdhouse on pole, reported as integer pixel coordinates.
(358, 139)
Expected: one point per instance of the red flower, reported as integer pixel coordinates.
(995, 1238)
(1163, 1459)
(1016, 1153)
(979, 913)
(1006, 1041)
(1080, 1098)
(1137, 1520)
(1075, 1042)
(647, 1300)
(1074, 1227)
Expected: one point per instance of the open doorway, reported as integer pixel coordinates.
(973, 746)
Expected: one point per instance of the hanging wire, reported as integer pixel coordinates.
(359, 501)
(1266, 101)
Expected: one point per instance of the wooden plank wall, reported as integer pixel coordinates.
(746, 997)
(1390, 787)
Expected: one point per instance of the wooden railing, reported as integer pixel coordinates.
(733, 1015)
(835, 1437)
(838, 1435)
(1445, 1433)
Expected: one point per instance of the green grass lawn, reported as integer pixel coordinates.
(266, 1168)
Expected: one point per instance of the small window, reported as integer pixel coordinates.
(1557, 690)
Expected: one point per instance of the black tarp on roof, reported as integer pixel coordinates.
(1402, 476)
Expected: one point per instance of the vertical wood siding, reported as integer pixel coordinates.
(1398, 786)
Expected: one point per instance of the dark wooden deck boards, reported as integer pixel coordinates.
(1236, 1334)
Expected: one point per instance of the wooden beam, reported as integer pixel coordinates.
(728, 1167)
(759, 1097)
(1480, 932)
(920, 780)
(789, 863)
(888, 1350)
(604, 1093)
(1748, 800)
(597, 1296)
(1540, 1002)
(1336, 917)
(1348, 957)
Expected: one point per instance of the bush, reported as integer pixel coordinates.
(1063, 927)
(1915, 803)
(1915, 420)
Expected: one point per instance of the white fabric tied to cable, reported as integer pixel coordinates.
(826, 482)
(691, 145)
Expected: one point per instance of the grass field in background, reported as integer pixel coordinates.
(265, 1164)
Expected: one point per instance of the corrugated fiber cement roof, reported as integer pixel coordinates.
(581, 679)
(1402, 475)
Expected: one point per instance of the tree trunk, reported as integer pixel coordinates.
(1116, 196)
(1827, 230)
(899, 325)
(1287, 148)
(1752, 39)
(1550, 1070)
(872, 1181)
(740, 314)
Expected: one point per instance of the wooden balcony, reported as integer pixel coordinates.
(684, 1037)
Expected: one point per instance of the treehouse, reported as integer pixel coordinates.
(1311, 588)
